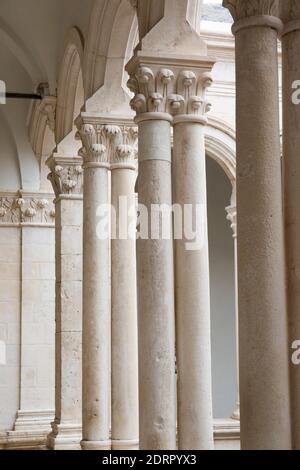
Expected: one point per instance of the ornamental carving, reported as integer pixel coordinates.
(66, 175)
(174, 91)
(240, 9)
(112, 143)
(21, 209)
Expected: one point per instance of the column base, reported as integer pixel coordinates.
(65, 437)
(125, 445)
(30, 431)
(95, 445)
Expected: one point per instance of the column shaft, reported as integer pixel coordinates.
(125, 430)
(156, 294)
(193, 347)
(96, 316)
(291, 145)
(264, 380)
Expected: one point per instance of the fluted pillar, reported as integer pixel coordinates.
(124, 355)
(192, 289)
(66, 178)
(96, 287)
(232, 217)
(291, 170)
(264, 378)
(156, 329)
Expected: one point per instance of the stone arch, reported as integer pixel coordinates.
(112, 36)
(70, 96)
(220, 144)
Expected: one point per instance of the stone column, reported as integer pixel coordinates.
(96, 286)
(125, 430)
(291, 170)
(66, 178)
(156, 330)
(264, 378)
(192, 292)
(232, 217)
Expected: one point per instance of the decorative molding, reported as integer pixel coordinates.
(30, 431)
(24, 208)
(232, 216)
(111, 143)
(169, 85)
(43, 114)
(240, 9)
(66, 175)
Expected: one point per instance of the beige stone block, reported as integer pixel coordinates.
(71, 213)
(38, 398)
(9, 290)
(38, 271)
(10, 271)
(39, 253)
(13, 333)
(71, 240)
(28, 376)
(69, 306)
(10, 311)
(38, 236)
(3, 332)
(10, 235)
(38, 291)
(70, 268)
(71, 374)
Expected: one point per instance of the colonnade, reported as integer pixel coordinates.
(169, 315)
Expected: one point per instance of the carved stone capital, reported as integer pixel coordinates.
(241, 9)
(66, 175)
(94, 139)
(294, 13)
(26, 209)
(110, 142)
(169, 85)
(232, 217)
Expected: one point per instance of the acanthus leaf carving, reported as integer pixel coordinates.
(66, 175)
(174, 91)
(241, 9)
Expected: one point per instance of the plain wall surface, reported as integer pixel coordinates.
(221, 253)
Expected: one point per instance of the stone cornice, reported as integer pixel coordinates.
(24, 208)
(108, 141)
(171, 84)
(66, 175)
(241, 9)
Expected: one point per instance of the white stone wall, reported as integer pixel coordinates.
(38, 325)
(27, 313)
(10, 314)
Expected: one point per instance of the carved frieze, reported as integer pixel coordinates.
(23, 208)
